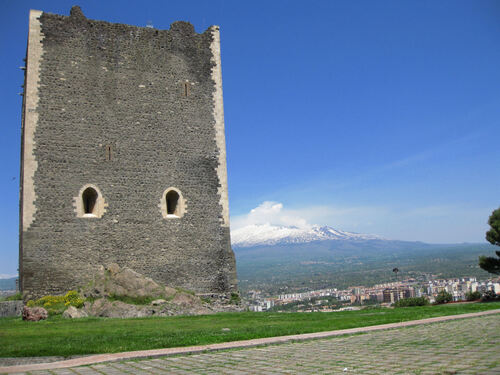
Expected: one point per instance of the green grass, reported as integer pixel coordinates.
(134, 300)
(58, 336)
(15, 297)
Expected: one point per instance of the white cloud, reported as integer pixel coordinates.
(271, 213)
(274, 213)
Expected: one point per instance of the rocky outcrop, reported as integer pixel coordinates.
(116, 281)
(182, 304)
(113, 287)
(72, 313)
(34, 314)
(158, 302)
(116, 309)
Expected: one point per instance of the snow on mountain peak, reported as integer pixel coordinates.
(267, 234)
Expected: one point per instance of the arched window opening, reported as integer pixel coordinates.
(89, 198)
(89, 203)
(172, 199)
(172, 204)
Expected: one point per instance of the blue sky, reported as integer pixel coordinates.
(371, 116)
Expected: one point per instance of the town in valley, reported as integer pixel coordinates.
(357, 297)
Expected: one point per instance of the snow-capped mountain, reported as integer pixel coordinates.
(266, 234)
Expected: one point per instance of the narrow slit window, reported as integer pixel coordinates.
(172, 199)
(89, 198)
(108, 152)
(185, 89)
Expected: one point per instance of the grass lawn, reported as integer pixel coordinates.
(62, 337)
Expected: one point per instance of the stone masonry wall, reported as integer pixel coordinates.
(11, 308)
(101, 85)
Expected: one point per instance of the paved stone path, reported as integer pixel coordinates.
(466, 346)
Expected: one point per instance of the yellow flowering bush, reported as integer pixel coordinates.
(73, 298)
(50, 301)
(57, 304)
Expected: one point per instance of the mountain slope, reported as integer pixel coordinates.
(266, 234)
(283, 259)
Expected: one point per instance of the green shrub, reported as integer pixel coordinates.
(235, 298)
(182, 290)
(206, 299)
(444, 297)
(414, 301)
(472, 296)
(490, 296)
(15, 297)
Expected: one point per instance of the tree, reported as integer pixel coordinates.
(489, 296)
(492, 264)
(444, 297)
(472, 296)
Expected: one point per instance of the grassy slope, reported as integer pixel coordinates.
(57, 336)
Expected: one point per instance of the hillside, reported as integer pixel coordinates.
(8, 284)
(286, 266)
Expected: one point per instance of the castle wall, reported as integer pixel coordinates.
(129, 111)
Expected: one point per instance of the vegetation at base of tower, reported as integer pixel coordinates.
(143, 300)
(235, 298)
(413, 301)
(444, 297)
(182, 290)
(57, 336)
(57, 304)
(492, 264)
(15, 297)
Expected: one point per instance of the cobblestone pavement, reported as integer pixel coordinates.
(468, 346)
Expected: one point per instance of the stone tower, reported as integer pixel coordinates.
(123, 155)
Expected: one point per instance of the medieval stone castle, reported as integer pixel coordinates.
(123, 155)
